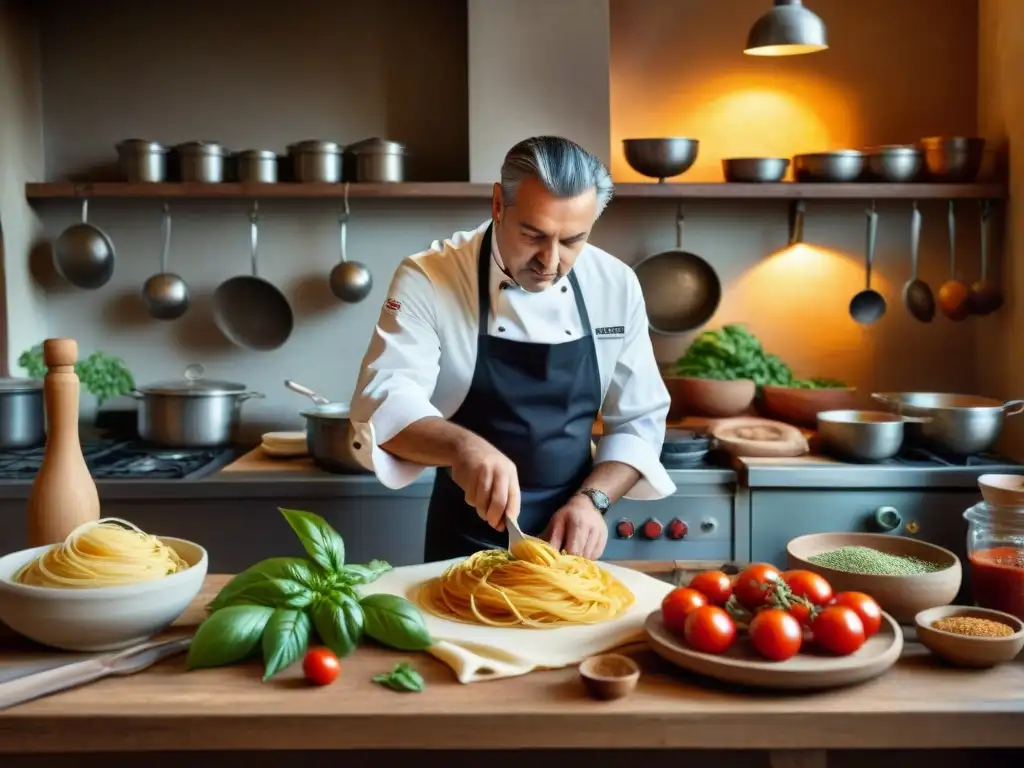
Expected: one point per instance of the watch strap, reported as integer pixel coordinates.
(598, 498)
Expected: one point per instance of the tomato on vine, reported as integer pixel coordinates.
(776, 634)
(808, 585)
(676, 605)
(709, 629)
(714, 585)
(865, 607)
(754, 584)
(839, 630)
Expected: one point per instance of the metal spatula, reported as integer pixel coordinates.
(515, 533)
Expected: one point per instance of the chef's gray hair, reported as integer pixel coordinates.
(564, 167)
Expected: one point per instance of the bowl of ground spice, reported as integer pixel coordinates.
(970, 637)
(905, 576)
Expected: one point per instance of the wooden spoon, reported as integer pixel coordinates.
(954, 294)
(986, 297)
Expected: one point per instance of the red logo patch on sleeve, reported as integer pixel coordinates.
(393, 306)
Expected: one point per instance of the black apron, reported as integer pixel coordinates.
(536, 403)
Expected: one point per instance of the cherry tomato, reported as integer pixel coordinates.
(865, 607)
(839, 630)
(710, 629)
(801, 613)
(321, 666)
(808, 585)
(677, 604)
(752, 585)
(776, 634)
(714, 585)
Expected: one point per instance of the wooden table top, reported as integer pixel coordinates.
(920, 703)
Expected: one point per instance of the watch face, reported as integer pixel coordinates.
(600, 498)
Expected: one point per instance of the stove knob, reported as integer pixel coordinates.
(624, 529)
(652, 528)
(677, 529)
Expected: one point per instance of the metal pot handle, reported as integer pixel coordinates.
(135, 395)
(250, 396)
(882, 398)
(1013, 407)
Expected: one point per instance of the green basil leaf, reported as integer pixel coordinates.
(395, 622)
(339, 622)
(293, 568)
(285, 640)
(402, 678)
(364, 574)
(318, 538)
(228, 635)
(277, 593)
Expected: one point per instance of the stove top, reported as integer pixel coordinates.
(923, 458)
(119, 460)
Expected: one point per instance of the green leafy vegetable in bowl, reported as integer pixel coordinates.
(275, 606)
(733, 352)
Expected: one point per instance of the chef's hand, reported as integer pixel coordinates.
(578, 528)
(490, 481)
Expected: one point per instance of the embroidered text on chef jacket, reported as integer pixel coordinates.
(423, 351)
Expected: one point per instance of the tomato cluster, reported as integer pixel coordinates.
(781, 611)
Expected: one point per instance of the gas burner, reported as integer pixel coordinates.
(923, 457)
(110, 460)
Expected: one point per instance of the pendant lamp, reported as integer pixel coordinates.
(788, 29)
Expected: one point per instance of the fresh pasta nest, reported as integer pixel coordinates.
(535, 587)
(105, 553)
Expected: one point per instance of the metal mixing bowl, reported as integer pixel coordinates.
(953, 159)
(660, 158)
(754, 170)
(841, 166)
(899, 164)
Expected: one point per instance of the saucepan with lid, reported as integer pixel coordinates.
(191, 412)
(962, 425)
(681, 289)
(328, 432)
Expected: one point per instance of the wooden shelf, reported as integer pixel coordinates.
(466, 191)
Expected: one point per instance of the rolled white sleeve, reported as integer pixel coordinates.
(398, 376)
(635, 408)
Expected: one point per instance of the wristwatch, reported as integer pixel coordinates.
(598, 498)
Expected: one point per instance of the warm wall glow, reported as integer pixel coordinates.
(749, 117)
(803, 293)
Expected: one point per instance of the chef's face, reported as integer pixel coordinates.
(541, 236)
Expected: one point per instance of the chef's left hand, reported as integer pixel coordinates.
(578, 528)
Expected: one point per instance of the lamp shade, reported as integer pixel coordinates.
(788, 29)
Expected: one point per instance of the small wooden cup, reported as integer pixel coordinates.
(609, 676)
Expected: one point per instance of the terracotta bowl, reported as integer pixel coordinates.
(708, 397)
(1002, 490)
(801, 406)
(903, 597)
(964, 650)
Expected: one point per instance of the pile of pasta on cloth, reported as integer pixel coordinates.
(535, 586)
(104, 553)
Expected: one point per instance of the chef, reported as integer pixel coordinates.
(495, 350)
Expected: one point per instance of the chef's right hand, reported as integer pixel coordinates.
(490, 481)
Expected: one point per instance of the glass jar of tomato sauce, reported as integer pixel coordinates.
(995, 553)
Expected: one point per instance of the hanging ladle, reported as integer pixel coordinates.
(351, 281)
(166, 294)
(986, 297)
(917, 295)
(868, 306)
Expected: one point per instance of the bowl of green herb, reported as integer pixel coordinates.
(905, 576)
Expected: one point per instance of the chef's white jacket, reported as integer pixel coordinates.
(423, 351)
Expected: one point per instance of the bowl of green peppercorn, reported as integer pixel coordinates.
(905, 576)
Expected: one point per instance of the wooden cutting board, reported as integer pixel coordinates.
(477, 653)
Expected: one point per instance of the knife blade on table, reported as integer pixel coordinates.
(36, 684)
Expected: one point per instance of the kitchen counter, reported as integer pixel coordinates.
(919, 704)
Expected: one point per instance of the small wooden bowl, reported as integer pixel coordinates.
(1002, 490)
(965, 650)
(708, 397)
(609, 676)
(794, 405)
(902, 597)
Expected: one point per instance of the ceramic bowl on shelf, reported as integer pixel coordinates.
(708, 397)
(903, 597)
(968, 650)
(100, 619)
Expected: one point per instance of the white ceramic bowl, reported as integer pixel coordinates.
(101, 619)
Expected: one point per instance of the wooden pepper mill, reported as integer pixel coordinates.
(63, 494)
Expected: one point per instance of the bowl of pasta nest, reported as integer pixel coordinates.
(108, 586)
